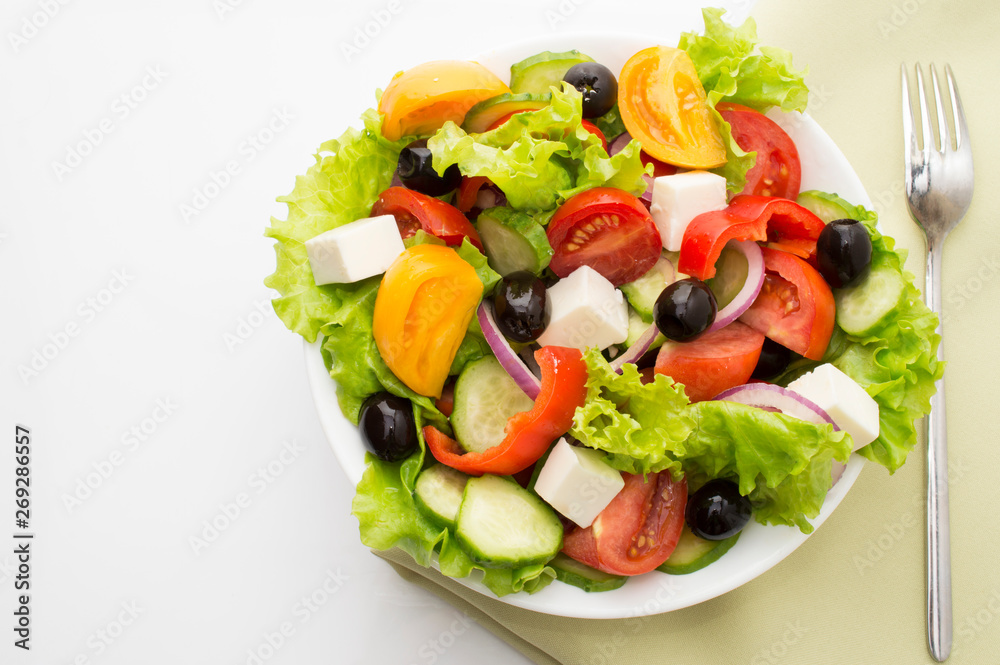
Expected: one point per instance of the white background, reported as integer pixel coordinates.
(119, 310)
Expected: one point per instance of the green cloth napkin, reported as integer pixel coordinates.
(855, 591)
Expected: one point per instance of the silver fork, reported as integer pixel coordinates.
(938, 191)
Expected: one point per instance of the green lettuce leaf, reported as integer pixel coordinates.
(341, 187)
(733, 68)
(897, 363)
(388, 517)
(636, 424)
(540, 158)
(782, 463)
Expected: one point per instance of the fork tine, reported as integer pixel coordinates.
(958, 113)
(944, 139)
(910, 144)
(927, 139)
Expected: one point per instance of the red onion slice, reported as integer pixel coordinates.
(769, 396)
(509, 360)
(637, 350)
(619, 143)
(751, 288)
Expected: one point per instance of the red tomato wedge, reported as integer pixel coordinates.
(528, 434)
(795, 307)
(637, 531)
(759, 218)
(414, 211)
(712, 363)
(608, 230)
(777, 171)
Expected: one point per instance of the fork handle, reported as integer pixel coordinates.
(939, 621)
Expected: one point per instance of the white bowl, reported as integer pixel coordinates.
(760, 547)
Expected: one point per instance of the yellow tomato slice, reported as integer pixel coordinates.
(421, 99)
(422, 311)
(664, 106)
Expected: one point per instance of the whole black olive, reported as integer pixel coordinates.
(685, 309)
(519, 303)
(387, 426)
(416, 171)
(717, 510)
(597, 84)
(844, 252)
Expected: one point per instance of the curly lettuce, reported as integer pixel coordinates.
(540, 158)
(388, 517)
(897, 363)
(733, 68)
(783, 464)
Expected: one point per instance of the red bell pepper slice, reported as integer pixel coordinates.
(758, 218)
(530, 433)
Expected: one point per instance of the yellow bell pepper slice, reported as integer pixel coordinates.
(422, 311)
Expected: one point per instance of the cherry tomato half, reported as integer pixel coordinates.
(421, 99)
(414, 211)
(608, 230)
(777, 171)
(637, 531)
(664, 106)
(795, 307)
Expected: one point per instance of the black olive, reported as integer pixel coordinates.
(387, 426)
(519, 302)
(844, 252)
(717, 510)
(598, 86)
(774, 359)
(416, 171)
(685, 310)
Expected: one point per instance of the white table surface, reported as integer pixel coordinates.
(162, 393)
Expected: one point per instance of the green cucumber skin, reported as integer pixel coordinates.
(572, 572)
(513, 241)
(444, 479)
(485, 399)
(500, 497)
(826, 209)
(882, 289)
(537, 73)
(643, 292)
(479, 118)
(694, 554)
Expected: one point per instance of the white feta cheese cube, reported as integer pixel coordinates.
(583, 310)
(354, 251)
(843, 399)
(577, 482)
(679, 198)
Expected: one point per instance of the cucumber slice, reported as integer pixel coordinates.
(485, 399)
(637, 327)
(502, 525)
(537, 73)
(730, 276)
(485, 113)
(827, 207)
(860, 308)
(571, 571)
(513, 241)
(643, 292)
(438, 493)
(693, 553)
